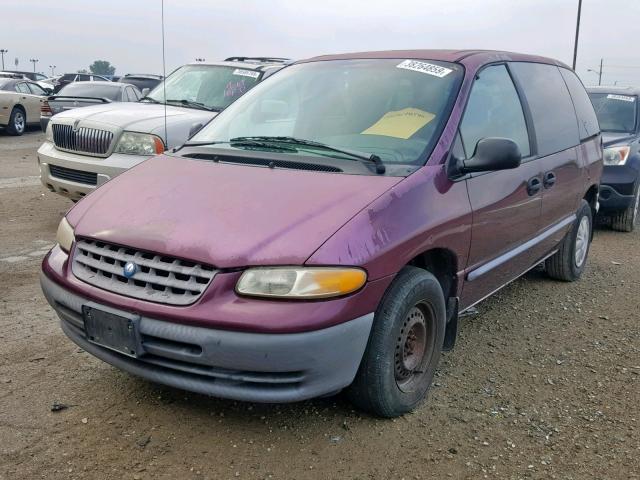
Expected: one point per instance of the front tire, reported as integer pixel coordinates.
(404, 346)
(625, 220)
(17, 122)
(568, 263)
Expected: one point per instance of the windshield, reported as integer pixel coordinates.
(392, 108)
(215, 87)
(616, 113)
(87, 89)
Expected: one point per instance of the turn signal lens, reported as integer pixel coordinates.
(65, 235)
(300, 283)
(616, 155)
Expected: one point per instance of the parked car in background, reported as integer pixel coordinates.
(33, 76)
(85, 94)
(20, 75)
(68, 78)
(86, 147)
(327, 228)
(619, 117)
(19, 104)
(142, 80)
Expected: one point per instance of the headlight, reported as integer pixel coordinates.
(65, 235)
(48, 133)
(300, 283)
(616, 155)
(133, 143)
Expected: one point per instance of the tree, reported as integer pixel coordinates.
(102, 67)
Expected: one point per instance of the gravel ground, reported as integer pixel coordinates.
(543, 383)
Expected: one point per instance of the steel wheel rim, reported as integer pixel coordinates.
(582, 241)
(414, 347)
(18, 122)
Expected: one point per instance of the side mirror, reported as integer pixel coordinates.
(145, 92)
(492, 154)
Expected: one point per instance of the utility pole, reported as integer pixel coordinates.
(575, 44)
(599, 72)
(53, 69)
(34, 61)
(2, 52)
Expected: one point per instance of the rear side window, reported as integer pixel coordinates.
(587, 120)
(554, 117)
(494, 110)
(22, 88)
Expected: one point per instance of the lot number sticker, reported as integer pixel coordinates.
(624, 98)
(424, 67)
(246, 73)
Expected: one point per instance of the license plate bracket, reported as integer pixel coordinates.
(113, 330)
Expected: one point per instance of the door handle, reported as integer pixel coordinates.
(549, 179)
(534, 185)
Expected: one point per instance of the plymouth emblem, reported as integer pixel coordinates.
(129, 269)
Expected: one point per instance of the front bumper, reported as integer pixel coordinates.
(80, 165)
(617, 187)
(257, 367)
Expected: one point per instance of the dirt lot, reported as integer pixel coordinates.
(544, 383)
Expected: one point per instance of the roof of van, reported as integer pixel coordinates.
(615, 90)
(442, 55)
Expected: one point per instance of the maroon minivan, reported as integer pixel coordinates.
(326, 230)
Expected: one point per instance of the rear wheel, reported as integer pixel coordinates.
(569, 261)
(404, 346)
(17, 122)
(625, 220)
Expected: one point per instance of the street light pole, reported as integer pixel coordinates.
(575, 44)
(34, 61)
(2, 52)
(53, 69)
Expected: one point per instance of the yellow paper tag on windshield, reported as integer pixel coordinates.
(400, 123)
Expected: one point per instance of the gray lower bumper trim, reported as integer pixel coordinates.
(253, 367)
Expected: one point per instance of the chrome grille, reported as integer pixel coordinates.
(85, 140)
(158, 278)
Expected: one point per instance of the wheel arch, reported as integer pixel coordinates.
(443, 264)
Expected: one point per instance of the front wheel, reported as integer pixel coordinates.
(568, 263)
(404, 346)
(625, 220)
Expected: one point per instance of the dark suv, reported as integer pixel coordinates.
(326, 229)
(619, 116)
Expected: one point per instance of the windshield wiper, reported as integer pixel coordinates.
(363, 157)
(191, 104)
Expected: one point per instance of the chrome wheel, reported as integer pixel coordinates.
(582, 241)
(414, 347)
(18, 122)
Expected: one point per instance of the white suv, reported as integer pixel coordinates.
(86, 147)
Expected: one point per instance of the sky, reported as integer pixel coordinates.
(71, 34)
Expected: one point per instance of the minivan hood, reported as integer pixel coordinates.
(143, 117)
(224, 215)
(613, 138)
